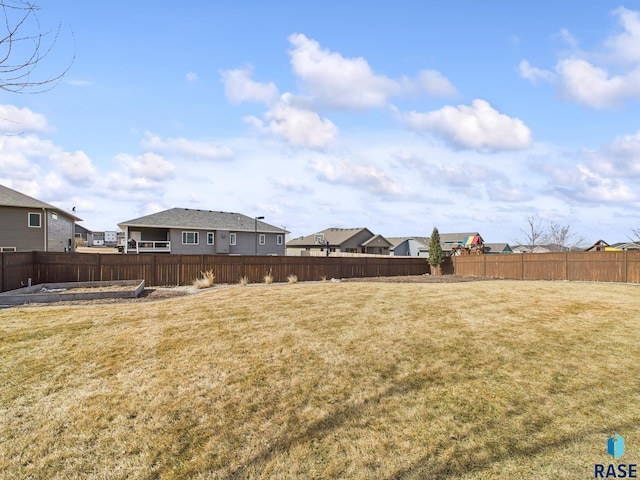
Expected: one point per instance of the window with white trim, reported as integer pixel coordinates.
(35, 220)
(262, 239)
(280, 240)
(190, 238)
(232, 239)
(210, 238)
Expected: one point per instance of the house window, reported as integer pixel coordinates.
(210, 238)
(54, 216)
(280, 239)
(232, 239)
(319, 238)
(190, 238)
(35, 220)
(263, 239)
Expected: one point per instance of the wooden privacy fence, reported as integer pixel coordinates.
(163, 269)
(623, 267)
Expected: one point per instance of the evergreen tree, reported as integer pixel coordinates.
(436, 257)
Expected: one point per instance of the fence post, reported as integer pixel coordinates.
(522, 266)
(626, 267)
(484, 265)
(2, 272)
(566, 265)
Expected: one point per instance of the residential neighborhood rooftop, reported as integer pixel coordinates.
(201, 219)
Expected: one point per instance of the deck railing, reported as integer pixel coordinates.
(145, 246)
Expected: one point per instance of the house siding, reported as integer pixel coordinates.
(15, 232)
(246, 244)
(60, 232)
(175, 236)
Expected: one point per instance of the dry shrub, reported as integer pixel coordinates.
(268, 278)
(323, 278)
(243, 281)
(206, 280)
(292, 278)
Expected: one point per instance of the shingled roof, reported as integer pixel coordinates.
(201, 220)
(13, 198)
(334, 236)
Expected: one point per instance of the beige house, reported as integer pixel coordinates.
(344, 240)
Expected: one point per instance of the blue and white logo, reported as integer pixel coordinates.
(615, 446)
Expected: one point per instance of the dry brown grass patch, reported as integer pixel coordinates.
(334, 380)
(292, 278)
(205, 281)
(268, 278)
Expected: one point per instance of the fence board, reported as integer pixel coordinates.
(16, 268)
(619, 267)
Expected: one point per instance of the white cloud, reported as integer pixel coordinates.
(76, 167)
(14, 120)
(297, 126)
(148, 166)
(187, 148)
(594, 187)
(368, 177)
(587, 78)
(434, 83)
(592, 86)
(478, 126)
(566, 36)
(534, 74)
(625, 46)
(289, 184)
(192, 77)
(337, 81)
(619, 159)
(132, 188)
(239, 87)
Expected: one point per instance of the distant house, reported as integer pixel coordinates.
(348, 240)
(598, 246)
(626, 246)
(546, 248)
(191, 231)
(29, 225)
(497, 248)
(409, 246)
(96, 239)
(81, 232)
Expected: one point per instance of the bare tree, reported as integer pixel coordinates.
(563, 236)
(533, 234)
(24, 46)
(635, 234)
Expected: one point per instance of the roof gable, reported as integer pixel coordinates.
(377, 240)
(13, 198)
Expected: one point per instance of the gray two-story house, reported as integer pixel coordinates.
(28, 224)
(192, 231)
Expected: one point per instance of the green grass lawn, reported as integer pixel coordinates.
(481, 380)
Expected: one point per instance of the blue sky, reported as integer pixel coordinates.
(468, 116)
